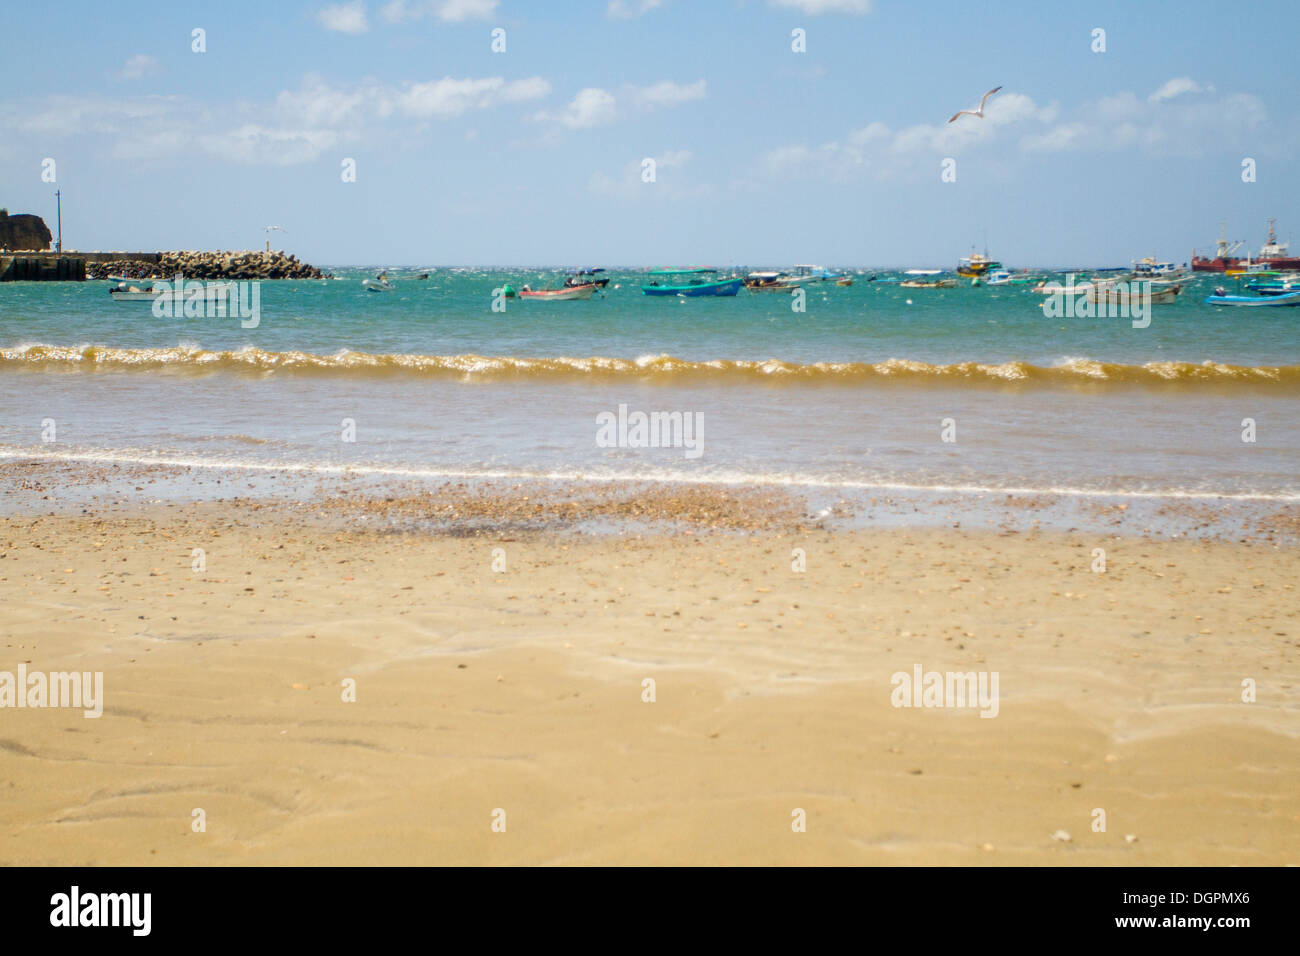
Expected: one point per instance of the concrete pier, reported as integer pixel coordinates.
(42, 267)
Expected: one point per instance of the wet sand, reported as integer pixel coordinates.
(479, 689)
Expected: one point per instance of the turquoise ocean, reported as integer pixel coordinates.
(857, 392)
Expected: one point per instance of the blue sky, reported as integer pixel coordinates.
(764, 155)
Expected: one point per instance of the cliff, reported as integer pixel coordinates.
(23, 232)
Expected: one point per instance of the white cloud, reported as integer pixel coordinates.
(816, 7)
(667, 93)
(316, 104)
(1175, 87)
(298, 126)
(628, 9)
(885, 151)
(1168, 122)
(259, 145)
(451, 97)
(591, 107)
(449, 11)
(344, 17)
(628, 184)
(137, 66)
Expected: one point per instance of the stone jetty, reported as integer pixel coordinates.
(244, 265)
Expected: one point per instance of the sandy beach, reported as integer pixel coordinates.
(521, 688)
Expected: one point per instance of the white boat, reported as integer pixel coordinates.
(378, 285)
(922, 272)
(1122, 292)
(559, 295)
(1149, 268)
(193, 291)
(810, 273)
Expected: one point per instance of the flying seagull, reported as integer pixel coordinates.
(979, 112)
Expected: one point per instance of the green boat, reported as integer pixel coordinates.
(691, 287)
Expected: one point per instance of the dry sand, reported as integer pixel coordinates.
(523, 690)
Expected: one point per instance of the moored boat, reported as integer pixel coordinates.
(579, 277)
(1125, 292)
(1150, 268)
(770, 282)
(933, 284)
(193, 290)
(1251, 301)
(975, 265)
(810, 273)
(1272, 255)
(692, 287)
(559, 295)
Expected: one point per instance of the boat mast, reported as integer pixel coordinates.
(58, 195)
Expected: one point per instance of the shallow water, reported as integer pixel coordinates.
(858, 392)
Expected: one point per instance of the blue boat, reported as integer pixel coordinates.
(1291, 298)
(692, 287)
(1273, 288)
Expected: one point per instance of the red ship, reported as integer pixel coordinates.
(1273, 255)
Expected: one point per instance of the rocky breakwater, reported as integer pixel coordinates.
(249, 265)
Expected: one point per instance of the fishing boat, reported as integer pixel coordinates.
(846, 281)
(1251, 301)
(578, 277)
(1272, 255)
(1253, 270)
(1150, 268)
(770, 282)
(559, 295)
(193, 291)
(1126, 293)
(975, 265)
(1280, 287)
(932, 284)
(923, 272)
(1004, 277)
(379, 283)
(692, 287)
(809, 273)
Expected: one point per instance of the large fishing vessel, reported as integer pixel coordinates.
(1272, 255)
(975, 265)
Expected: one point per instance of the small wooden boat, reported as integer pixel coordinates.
(1251, 301)
(845, 281)
(936, 284)
(559, 295)
(194, 290)
(693, 287)
(770, 282)
(1120, 293)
